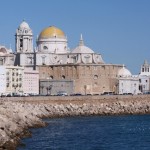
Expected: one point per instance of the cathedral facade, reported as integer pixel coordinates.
(79, 70)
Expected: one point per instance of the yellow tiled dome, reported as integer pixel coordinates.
(51, 32)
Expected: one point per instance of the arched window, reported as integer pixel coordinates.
(51, 77)
(95, 77)
(95, 84)
(63, 77)
(87, 59)
(45, 47)
(74, 58)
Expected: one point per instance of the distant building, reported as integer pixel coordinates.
(31, 81)
(144, 83)
(2, 80)
(7, 56)
(127, 83)
(145, 69)
(17, 80)
(144, 78)
(14, 79)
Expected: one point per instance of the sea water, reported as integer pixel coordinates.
(92, 133)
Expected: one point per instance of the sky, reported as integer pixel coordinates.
(117, 29)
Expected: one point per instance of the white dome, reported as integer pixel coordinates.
(124, 72)
(4, 50)
(82, 49)
(24, 25)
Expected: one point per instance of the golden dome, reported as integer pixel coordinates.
(51, 32)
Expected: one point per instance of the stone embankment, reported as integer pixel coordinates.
(17, 116)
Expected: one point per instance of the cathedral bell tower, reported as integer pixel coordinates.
(25, 55)
(24, 39)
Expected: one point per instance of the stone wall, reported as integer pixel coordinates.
(97, 78)
(70, 98)
(52, 87)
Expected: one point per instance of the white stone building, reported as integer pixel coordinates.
(145, 69)
(2, 80)
(7, 56)
(144, 78)
(18, 80)
(24, 46)
(127, 83)
(11, 80)
(14, 79)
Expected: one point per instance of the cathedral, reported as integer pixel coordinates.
(79, 70)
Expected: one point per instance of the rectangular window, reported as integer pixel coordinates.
(74, 59)
(43, 60)
(87, 59)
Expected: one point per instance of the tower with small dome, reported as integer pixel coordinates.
(24, 46)
(145, 68)
(24, 38)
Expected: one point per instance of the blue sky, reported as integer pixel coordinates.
(117, 29)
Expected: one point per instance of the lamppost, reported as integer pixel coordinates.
(49, 90)
(85, 88)
(116, 88)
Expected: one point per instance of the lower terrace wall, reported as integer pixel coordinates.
(74, 98)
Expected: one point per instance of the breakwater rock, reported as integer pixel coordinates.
(17, 117)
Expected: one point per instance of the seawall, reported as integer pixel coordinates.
(17, 114)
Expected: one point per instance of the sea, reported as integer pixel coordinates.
(131, 132)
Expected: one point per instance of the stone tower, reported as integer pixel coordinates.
(25, 55)
(145, 69)
(24, 39)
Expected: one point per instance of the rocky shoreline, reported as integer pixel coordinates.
(16, 117)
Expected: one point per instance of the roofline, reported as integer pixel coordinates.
(119, 65)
